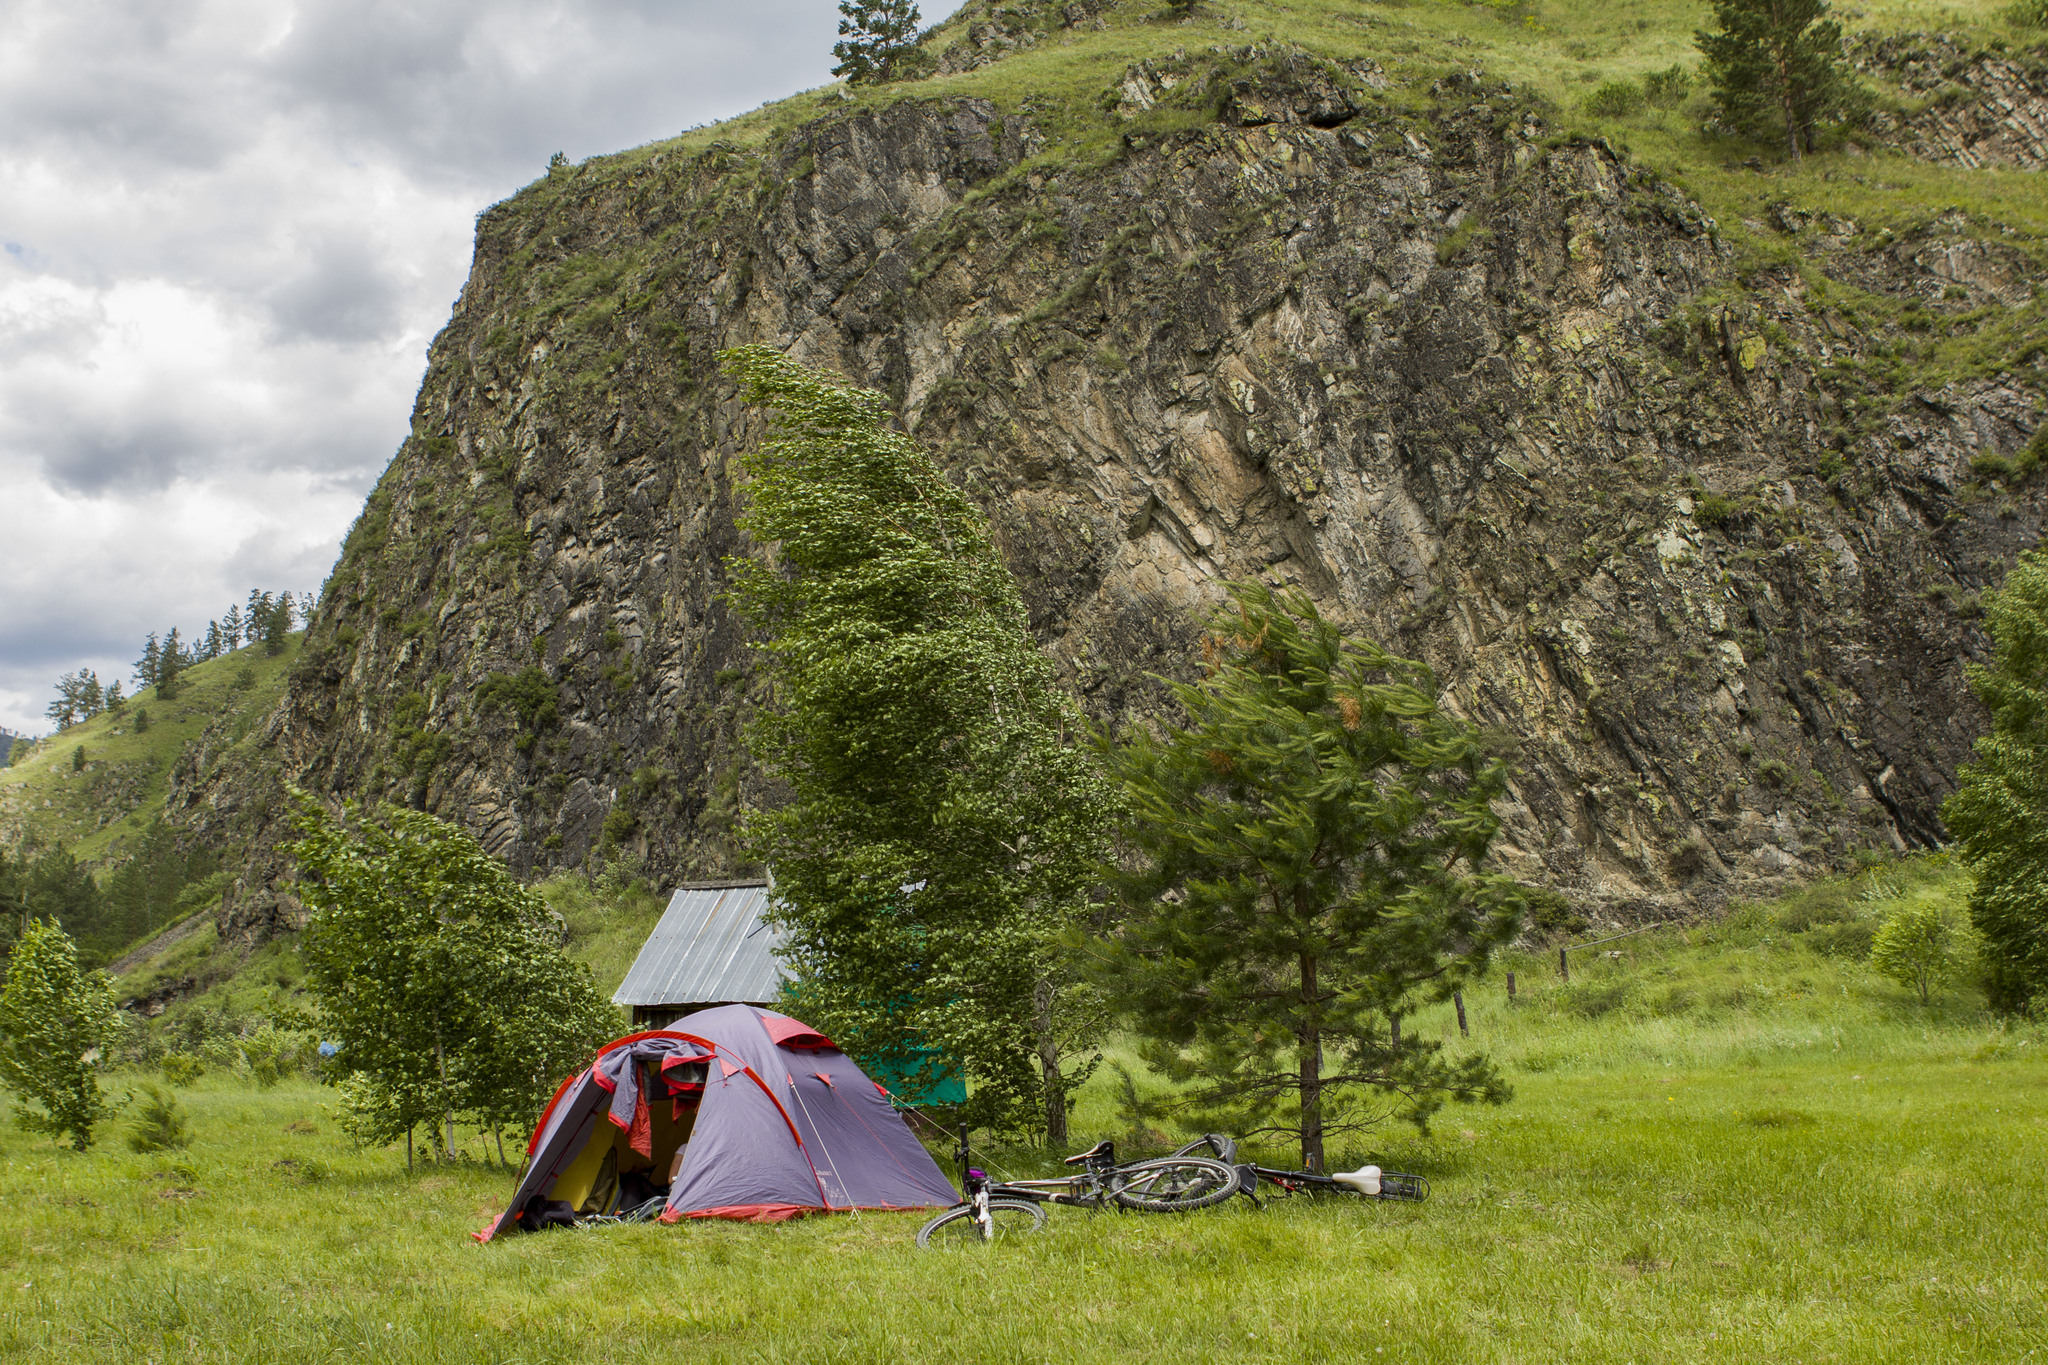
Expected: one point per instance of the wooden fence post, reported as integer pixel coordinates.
(1511, 986)
(1564, 966)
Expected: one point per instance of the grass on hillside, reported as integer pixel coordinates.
(120, 790)
(1558, 52)
(1798, 1164)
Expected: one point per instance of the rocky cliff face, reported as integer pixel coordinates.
(1688, 544)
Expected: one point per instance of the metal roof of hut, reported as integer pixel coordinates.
(710, 948)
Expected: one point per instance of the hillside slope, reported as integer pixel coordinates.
(1681, 466)
(95, 806)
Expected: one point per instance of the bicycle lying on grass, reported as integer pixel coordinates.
(998, 1209)
(1368, 1182)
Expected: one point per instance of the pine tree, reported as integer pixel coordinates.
(277, 625)
(116, 703)
(63, 712)
(211, 649)
(91, 697)
(939, 833)
(55, 1021)
(231, 627)
(152, 658)
(1777, 69)
(874, 37)
(170, 662)
(1999, 812)
(1303, 861)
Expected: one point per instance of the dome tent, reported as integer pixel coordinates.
(770, 1120)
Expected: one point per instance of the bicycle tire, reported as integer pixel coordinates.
(956, 1226)
(1174, 1184)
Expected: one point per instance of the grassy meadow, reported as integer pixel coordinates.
(1730, 1142)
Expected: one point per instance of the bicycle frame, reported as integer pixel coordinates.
(1391, 1185)
(1090, 1187)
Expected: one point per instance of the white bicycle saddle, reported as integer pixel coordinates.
(1366, 1180)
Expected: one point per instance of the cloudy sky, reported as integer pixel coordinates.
(228, 230)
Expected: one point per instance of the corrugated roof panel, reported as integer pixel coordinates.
(709, 948)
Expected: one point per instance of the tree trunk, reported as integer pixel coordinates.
(1049, 1061)
(498, 1136)
(408, 1151)
(447, 1114)
(1788, 100)
(1311, 1035)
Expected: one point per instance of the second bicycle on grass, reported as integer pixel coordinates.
(1368, 1182)
(996, 1209)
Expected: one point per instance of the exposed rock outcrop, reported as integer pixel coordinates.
(1489, 395)
(1985, 107)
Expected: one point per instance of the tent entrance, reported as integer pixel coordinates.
(609, 1175)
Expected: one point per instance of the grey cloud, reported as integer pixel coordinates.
(341, 291)
(93, 454)
(297, 180)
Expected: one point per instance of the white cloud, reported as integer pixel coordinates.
(228, 229)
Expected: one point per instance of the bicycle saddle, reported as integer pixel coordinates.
(1366, 1180)
(1104, 1149)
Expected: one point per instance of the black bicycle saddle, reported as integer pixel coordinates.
(1104, 1149)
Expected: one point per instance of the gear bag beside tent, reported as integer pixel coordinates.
(741, 1113)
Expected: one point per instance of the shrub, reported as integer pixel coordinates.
(1615, 99)
(160, 1124)
(182, 1068)
(1550, 913)
(1667, 89)
(2026, 14)
(1850, 939)
(1716, 510)
(1915, 947)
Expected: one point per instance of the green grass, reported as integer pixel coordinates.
(121, 789)
(1798, 1164)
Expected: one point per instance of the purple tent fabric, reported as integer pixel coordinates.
(783, 1129)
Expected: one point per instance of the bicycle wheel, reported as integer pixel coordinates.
(956, 1226)
(1174, 1183)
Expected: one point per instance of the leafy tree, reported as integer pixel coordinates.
(940, 832)
(440, 976)
(1302, 861)
(54, 1022)
(874, 36)
(1914, 947)
(1776, 68)
(1999, 812)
